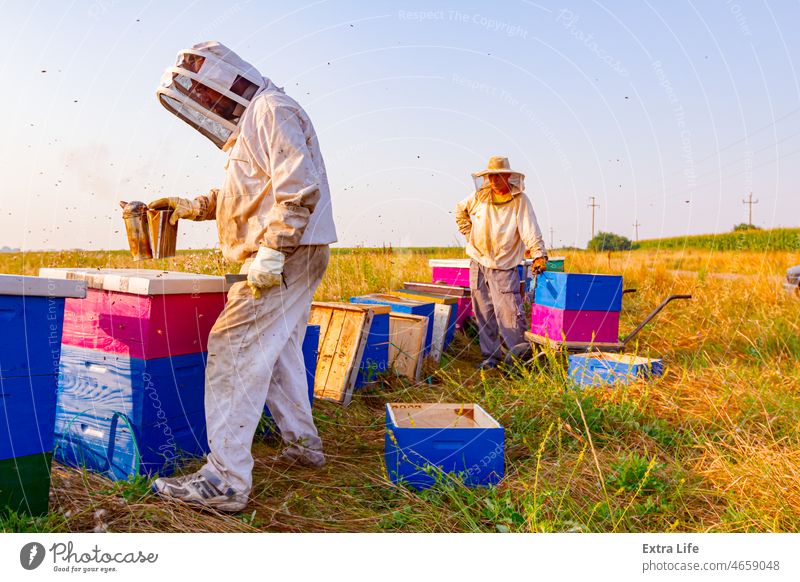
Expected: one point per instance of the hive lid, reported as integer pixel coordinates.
(41, 287)
(388, 298)
(457, 263)
(141, 281)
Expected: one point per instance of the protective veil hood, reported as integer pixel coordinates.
(209, 88)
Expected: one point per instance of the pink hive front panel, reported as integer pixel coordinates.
(575, 326)
(464, 311)
(451, 276)
(141, 326)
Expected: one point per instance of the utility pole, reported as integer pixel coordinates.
(593, 206)
(636, 225)
(749, 201)
(551, 238)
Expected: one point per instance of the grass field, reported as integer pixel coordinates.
(713, 445)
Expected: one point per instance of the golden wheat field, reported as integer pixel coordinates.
(711, 446)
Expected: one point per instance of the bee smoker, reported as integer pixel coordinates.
(150, 235)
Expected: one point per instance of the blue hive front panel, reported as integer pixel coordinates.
(30, 342)
(124, 416)
(417, 456)
(27, 414)
(376, 353)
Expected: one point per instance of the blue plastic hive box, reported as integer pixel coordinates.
(600, 368)
(31, 320)
(426, 441)
(579, 292)
(123, 416)
(376, 351)
(401, 305)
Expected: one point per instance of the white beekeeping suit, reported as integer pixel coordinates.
(274, 213)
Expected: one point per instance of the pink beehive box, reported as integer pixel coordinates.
(141, 313)
(456, 272)
(450, 271)
(575, 326)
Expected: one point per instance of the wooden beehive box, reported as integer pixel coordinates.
(407, 344)
(343, 337)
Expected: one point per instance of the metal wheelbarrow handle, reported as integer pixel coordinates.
(650, 317)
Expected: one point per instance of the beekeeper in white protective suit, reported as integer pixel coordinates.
(499, 224)
(273, 212)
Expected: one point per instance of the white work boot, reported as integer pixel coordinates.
(200, 489)
(295, 454)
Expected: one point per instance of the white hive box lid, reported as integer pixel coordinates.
(462, 263)
(457, 263)
(41, 287)
(141, 281)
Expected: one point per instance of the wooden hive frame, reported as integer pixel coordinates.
(344, 328)
(407, 344)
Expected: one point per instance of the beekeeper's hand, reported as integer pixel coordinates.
(266, 270)
(539, 265)
(181, 208)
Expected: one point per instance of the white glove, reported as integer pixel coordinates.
(266, 270)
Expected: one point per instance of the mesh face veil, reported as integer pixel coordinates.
(515, 181)
(209, 88)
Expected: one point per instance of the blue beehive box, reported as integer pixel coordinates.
(123, 416)
(376, 351)
(579, 292)
(310, 351)
(424, 440)
(402, 305)
(31, 321)
(601, 368)
(32, 316)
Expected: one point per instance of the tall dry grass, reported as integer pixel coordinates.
(711, 446)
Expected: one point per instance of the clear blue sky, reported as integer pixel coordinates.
(667, 112)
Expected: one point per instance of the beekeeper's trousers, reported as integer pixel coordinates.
(255, 356)
(497, 304)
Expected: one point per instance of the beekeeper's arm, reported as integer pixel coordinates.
(531, 234)
(463, 221)
(281, 150)
(201, 208)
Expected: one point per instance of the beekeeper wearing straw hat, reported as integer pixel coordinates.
(273, 213)
(500, 225)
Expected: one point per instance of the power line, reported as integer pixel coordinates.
(737, 142)
(636, 225)
(674, 192)
(749, 201)
(593, 206)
